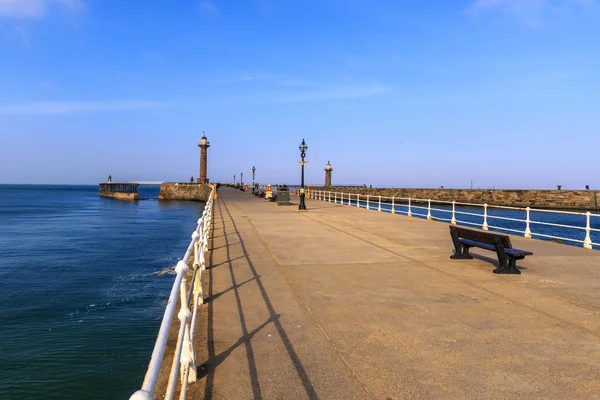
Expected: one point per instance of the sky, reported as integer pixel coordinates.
(395, 93)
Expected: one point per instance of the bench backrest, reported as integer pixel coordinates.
(482, 236)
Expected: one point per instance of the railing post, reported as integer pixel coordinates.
(368, 202)
(485, 224)
(409, 212)
(527, 220)
(379, 208)
(428, 208)
(357, 200)
(587, 243)
(393, 208)
(453, 222)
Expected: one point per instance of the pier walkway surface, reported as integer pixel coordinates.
(344, 303)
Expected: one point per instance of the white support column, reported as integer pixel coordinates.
(428, 208)
(587, 242)
(409, 211)
(368, 202)
(379, 208)
(188, 358)
(453, 221)
(393, 207)
(527, 221)
(485, 224)
(357, 200)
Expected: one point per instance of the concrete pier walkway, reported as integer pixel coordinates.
(345, 303)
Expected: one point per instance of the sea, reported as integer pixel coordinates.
(84, 282)
(563, 226)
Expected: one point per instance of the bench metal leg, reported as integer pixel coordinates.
(461, 252)
(509, 268)
(506, 264)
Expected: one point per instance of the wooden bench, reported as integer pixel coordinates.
(464, 239)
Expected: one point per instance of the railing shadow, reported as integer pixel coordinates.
(274, 317)
(216, 296)
(208, 368)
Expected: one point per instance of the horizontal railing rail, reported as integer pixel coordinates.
(447, 211)
(184, 362)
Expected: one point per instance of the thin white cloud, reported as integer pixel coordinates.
(270, 88)
(527, 10)
(76, 107)
(209, 6)
(48, 86)
(326, 93)
(36, 9)
(245, 77)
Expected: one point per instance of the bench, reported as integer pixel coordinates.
(464, 239)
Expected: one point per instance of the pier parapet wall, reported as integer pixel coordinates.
(119, 190)
(184, 191)
(588, 200)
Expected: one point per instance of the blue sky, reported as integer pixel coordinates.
(395, 93)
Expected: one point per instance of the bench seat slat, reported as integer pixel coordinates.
(511, 251)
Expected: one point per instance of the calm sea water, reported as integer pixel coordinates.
(473, 217)
(81, 288)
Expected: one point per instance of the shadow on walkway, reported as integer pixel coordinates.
(214, 360)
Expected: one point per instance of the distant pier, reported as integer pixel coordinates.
(119, 190)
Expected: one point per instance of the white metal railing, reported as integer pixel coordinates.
(408, 206)
(184, 361)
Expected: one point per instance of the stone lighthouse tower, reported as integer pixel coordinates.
(328, 170)
(204, 145)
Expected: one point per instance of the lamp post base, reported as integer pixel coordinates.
(302, 205)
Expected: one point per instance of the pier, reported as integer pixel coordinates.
(341, 302)
(119, 190)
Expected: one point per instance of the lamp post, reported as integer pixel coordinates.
(233, 180)
(303, 147)
(241, 179)
(253, 173)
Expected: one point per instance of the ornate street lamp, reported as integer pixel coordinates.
(303, 147)
(253, 173)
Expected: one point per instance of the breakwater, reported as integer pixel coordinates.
(184, 191)
(119, 190)
(587, 200)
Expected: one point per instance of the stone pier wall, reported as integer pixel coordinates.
(120, 195)
(184, 191)
(586, 200)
